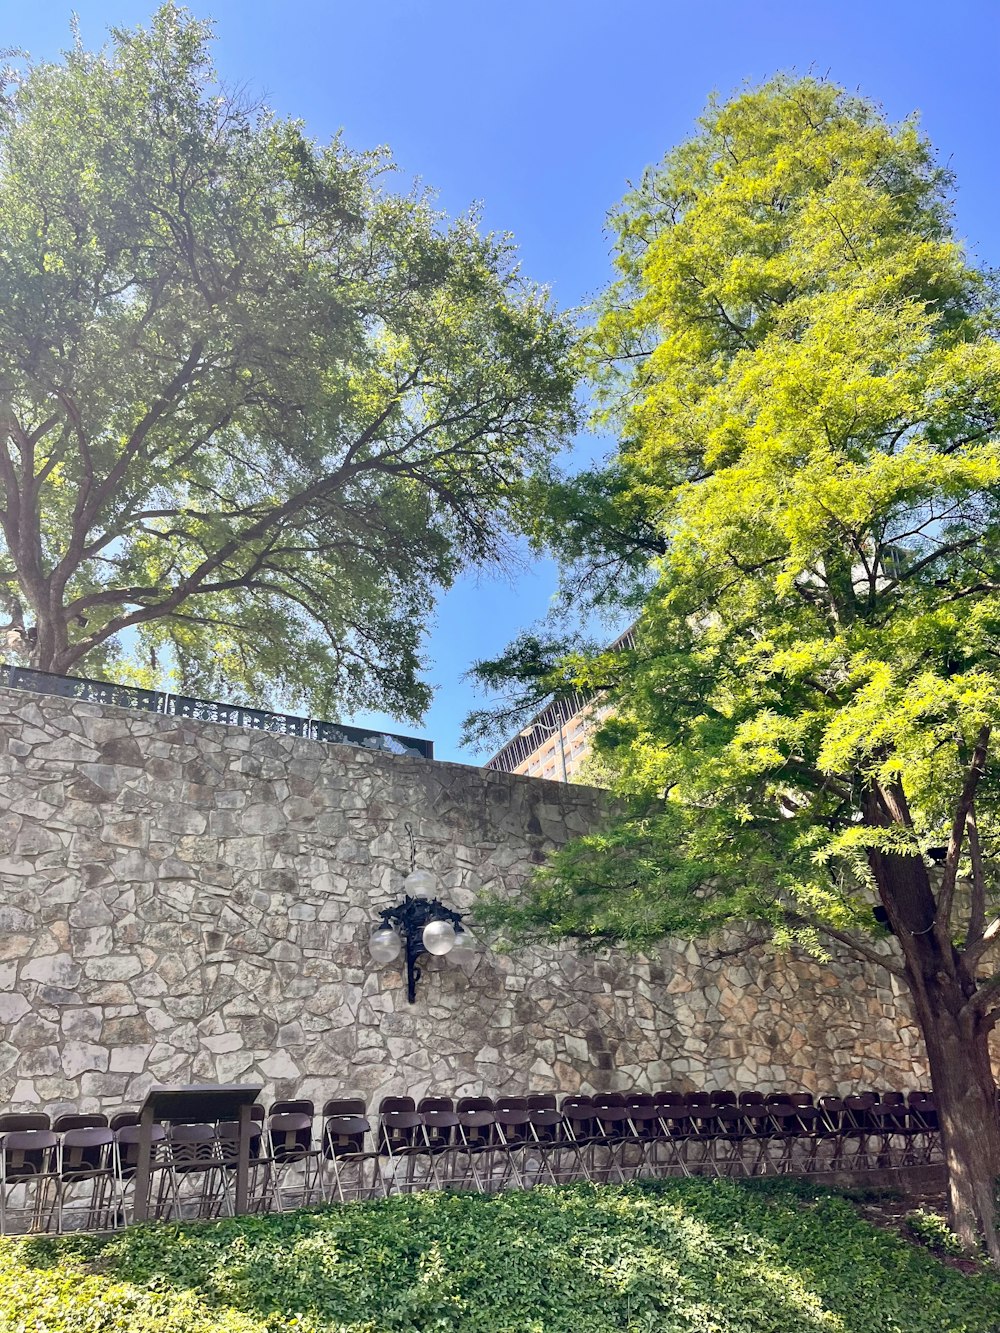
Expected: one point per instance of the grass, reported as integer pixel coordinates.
(680, 1256)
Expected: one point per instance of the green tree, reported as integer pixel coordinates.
(255, 407)
(803, 370)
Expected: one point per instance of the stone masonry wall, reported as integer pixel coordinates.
(185, 901)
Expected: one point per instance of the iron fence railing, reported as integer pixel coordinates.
(208, 710)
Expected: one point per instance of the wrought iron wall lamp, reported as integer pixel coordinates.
(420, 924)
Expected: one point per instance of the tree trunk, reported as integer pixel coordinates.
(955, 1034)
(966, 1097)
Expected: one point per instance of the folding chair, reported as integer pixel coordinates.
(344, 1147)
(126, 1161)
(512, 1135)
(758, 1133)
(611, 1133)
(892, 1130)
(580, 1131)
(728, 1140)
(345, 1125)
(545, 1142)
(704, 1121)
(475, 1142)
(859, 1129)
(400, 1146)
(925, 1124)
(642, 1128)
(85, 1160)
(784, 1134)
(292, 1153)
(259, 1178)
(28, 1167)
(673, 1134)
(195, 1182)
(439, 1123)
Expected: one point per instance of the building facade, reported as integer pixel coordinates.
(555, 744)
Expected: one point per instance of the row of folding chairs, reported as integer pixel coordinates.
(79, 1171)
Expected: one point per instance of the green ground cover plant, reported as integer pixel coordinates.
(695, 1256)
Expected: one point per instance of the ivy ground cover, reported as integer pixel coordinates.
(680, 1256)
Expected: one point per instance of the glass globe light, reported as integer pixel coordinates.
(420, 884)
(466, 945)
(439, 937)
(384, 944)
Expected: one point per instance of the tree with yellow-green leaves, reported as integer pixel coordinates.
(256, 406)
(802, 368)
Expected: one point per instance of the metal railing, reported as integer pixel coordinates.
(208, 710)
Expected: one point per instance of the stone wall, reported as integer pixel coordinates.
(185, 901)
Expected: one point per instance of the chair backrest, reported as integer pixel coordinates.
(669, 1099)
(510, 1104)
(639, 1099)
(345, 1106)
(575, 1100)
(751, 1099)
(344, 1133)
(18, 1120)
(398, 1130)
(724, 1098)
(85, 1150)
(228, 1135)
(474, 1104)
(476, 1125)
(127, 1146)
(857, 1112)
(439, 1123)
(541, 1101)
(699, 1099)
(608, 1099)
(71, 1120)
(26, 1152)
(923, 1109)
(436, 1104)
(290, 1133)
(124, 1120)
(799, 1098)
(299, 1106)
(396, 1104)
(193, 1145)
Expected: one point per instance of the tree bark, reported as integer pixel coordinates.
(966, 1097)
(955, 1033)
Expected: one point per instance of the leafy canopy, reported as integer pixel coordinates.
(255, 407)
(802, 369)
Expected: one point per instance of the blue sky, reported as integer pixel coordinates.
(543, 111)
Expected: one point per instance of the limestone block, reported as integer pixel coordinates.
(80, 1056)
(12, 1007)
(112, 967)
(58, 969)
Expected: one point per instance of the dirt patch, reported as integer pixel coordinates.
(889, 1208)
